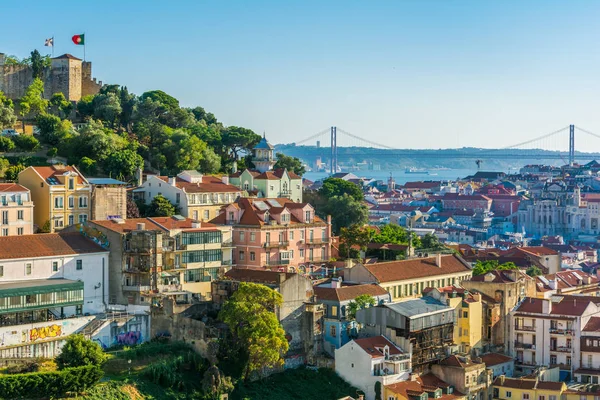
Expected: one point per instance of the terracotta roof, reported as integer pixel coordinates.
(128, 225)
(456, 196)
(515, 383)
(156, 223)
(56, 170)
(12, 187)
(209, 184)
(539, 250)
(268, 176)
(169, 223)
(569, 305)
(46, 245)
(421, 185)
(279, 173)
(455, 361)
(497, 276)
(492, 359)
(373, 346)
(593, 325)
(348, 292)
(424, 383)
(416, 268)
(257, 275)
(565, 280)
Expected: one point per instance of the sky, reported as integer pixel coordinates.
(408, 74)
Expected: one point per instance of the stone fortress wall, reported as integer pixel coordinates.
(67, 74)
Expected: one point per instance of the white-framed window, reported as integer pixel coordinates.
(54, 266)
(206, 214)
(58, 223)
(242, 236)
(71, 202)
(301, 253)
(82, 218)
(252, 256)
(1, 271)
(20, 215)
(242, 255)
(58, 202)
(508, 394)
(83, 201)
(20, 231)
(79, 265)
(252, 236)
(525, 396)
(28, 269)
(71, 219)
(291, 235)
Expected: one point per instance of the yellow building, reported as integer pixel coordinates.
(527, 389)
(61, 195)
(468, 330)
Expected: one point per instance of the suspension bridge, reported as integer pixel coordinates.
(549, 146)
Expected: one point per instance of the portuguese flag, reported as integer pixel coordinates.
(79, 39)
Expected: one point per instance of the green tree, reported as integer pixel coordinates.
(534, 270)
(210, 162)
(97, 142)
(160, 206)
(377, 390)
(430, 241)
(345, 210)
(107, 108)
(391, 233)
(292, 164)
(7, 112)
(123, 164)
(483, 267)
(37, 64)
(359, 303)
(255, 330)
(354, 235)
(237, 139)
(26, 142)
(52, 152)
(6, 144)
(78, 352)
(85, 107)
(60, 106)
(161, 97)
(88, 166)
(52, 130)
(215, 383)
(33, 103)
(338, 187)
(128, 104)
(4, 164)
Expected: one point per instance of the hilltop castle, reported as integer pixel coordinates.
(67, 74)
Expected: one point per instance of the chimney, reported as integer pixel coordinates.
(438, 260)
(552, 284)
(336, 283)
(225, 179)
(141, 226)
(501, 379)
(172, 181)
(138, 176)
(329, 220)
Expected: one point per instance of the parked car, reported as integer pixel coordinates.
(9, 132)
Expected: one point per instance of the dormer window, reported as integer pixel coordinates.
(307, 216)
(267, 216)
(71, 183)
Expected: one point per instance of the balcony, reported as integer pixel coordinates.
(272, 245)
(136, 288)
(555, 331)
(275, 263)
(286, 193)
(526, 346)
(525, 328)
(526, 363)
(562, 349)
(317, 241)
(317, 260)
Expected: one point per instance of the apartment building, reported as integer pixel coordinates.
(549, 332)
(16, 210)
(277, 234)
(61, 195)
(153, 257)
(50, 284)
(588, 370)
(409, 278)
(264, 182)
(526, 388)
(197, 196)
(467, 375)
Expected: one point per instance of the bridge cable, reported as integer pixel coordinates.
(316, 135)
(536, 139)
(364, 140)
(588, 132)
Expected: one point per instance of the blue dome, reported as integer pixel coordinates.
(263, 144)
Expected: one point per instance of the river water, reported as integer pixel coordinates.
(401, 177)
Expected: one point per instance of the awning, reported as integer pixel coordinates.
(38, 286)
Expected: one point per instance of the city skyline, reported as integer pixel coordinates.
(428, 74)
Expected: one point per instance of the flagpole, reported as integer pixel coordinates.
(83, 46)
(52, 46)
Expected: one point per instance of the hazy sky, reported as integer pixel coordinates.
(411, 74)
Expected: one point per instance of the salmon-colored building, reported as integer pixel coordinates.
(16, 210)
(277, 234)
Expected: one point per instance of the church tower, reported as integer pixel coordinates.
(263, 155)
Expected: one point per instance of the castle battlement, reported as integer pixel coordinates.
(67, 74)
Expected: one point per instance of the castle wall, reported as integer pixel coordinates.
(66, 78)
(16, 80)
(89, 86)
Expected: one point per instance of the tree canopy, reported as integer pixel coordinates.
(338, 187)
(483, 267)
(254, 327)
(292, 164)
(160, 207)
(78, 352)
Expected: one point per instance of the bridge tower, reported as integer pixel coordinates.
(571, 144)
(333, 161)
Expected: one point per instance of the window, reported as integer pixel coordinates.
(465, 314)
(552, 397)
(71, 183)
(19, 231)
(54, 266)
(291, 235)
(1, 270)
(58, 223)
(20, 215)
(307, 216)
(332, 330)
(4, 231)
(206, 214)
(466, 332)
(334, 311)
(252, 256)
(83, 202)
(541, 397)
(589, 361)
(58, 202)
(552, 359)
(252, 236)
(71, 201)
(27, 269)
(82, 218)
(467, 379)
(568, 360)
(79, 265)
(5, 217)
(195, 215)
(525, 396)
(301, 235)
(301, 253)
(178, 198)
(242, 236)
(508, 394)
(79, 309)
(241, 255)
(71, 219)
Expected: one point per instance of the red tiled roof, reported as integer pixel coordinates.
(421, 185)
(373, 346)
(569, 305)
(56, 170)
(67, 56)
(268, 176)
(492, 359)
(348, 292)
(12, 187)
(455, 361)
(279, 173)
(209, 184)
(416, 268)
(539, 250)
(593, 325)
(46, 245)
(128, 225)
(515, 383)
(424, 383)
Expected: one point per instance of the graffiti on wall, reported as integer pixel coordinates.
(45, 332)
(129, 338)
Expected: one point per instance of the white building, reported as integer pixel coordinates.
(364, 362)
(549, 332)
(50, 284)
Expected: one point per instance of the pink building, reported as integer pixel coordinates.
(16, 210)
(476, 202)
(276, 234)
